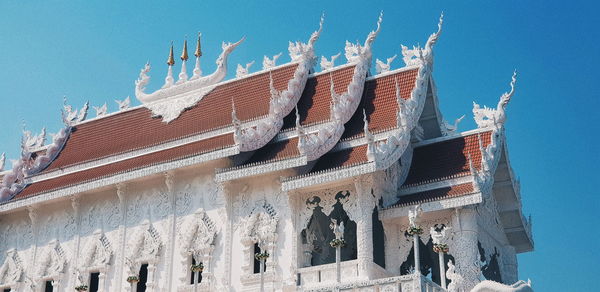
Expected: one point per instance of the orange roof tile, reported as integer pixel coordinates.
(379, 102)
(176, 153)
(314, 104)
(137, 128)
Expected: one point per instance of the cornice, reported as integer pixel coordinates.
(118, 178)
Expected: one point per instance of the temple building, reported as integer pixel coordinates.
(301, 176)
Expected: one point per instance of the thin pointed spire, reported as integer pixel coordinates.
(171, 60)
(184, 54)
(198, 52)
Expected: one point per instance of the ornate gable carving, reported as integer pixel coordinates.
(198, 234)
(52, 261)
(144, 246)
(97, 252)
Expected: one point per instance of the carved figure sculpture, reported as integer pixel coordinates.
(100, 110)
(328, 64)
(456, 279)
(72, 116)
(338, 230)
(413, 215)
(381, 67)
(270, 63)
(243, 70)
(486, 117)
(123, 104)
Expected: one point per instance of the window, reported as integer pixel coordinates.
(94, 281)
(141, 285)
(6, 290)
(49, 287)
(193, 274)
(257, 262)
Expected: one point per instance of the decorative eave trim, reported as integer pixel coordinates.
(128, 155)
(326, 176)
(392, 72)
(451, 137)
(262, 168)
(118, 178)
(434, 185)
(396, 211)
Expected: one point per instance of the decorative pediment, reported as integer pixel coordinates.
(97, 252)
(144, 246)
(261, 225)
(173, 98)
(52, 261)
(198, 234)
(11, 270)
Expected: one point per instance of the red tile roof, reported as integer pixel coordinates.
(172, 154)
(344, 158)
(435, 195)
(275, 151)
(137, 128)
(446, 159)
(379, 102)
(314, 103)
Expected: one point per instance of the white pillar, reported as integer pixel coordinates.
(150, 285)
(465, 246)
(262, 274)
(338, 264)
(442, 269)
(364, 226)
(417, 256)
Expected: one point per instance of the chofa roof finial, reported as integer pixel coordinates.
(198, 52)
(171, 60)
(184, 53)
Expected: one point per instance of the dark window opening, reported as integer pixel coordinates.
(193, 275)
(94, 282)
(6, 290)
(378, 240)
(318, 234)
(491, 270)
(429, 260)
(141, 285)
(257, 262)
(49, 287)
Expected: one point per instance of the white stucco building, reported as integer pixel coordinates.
(266, 165)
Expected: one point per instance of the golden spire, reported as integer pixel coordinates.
(198, 52)
(184, 54)
(171, 60)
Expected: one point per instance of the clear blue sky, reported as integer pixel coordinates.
(93, 50)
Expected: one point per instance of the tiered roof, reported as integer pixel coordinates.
(328, 126)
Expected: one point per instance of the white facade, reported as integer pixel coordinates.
(167, 216)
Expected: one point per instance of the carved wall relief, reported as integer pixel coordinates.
(197, 237)
(259, 228)
(11, 271)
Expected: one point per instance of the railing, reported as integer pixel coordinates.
(414, 282)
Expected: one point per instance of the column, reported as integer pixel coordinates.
(364, 227)
(464, 247)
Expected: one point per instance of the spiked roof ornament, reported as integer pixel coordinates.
(198, 52)
(171, 60)
(184, 54)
